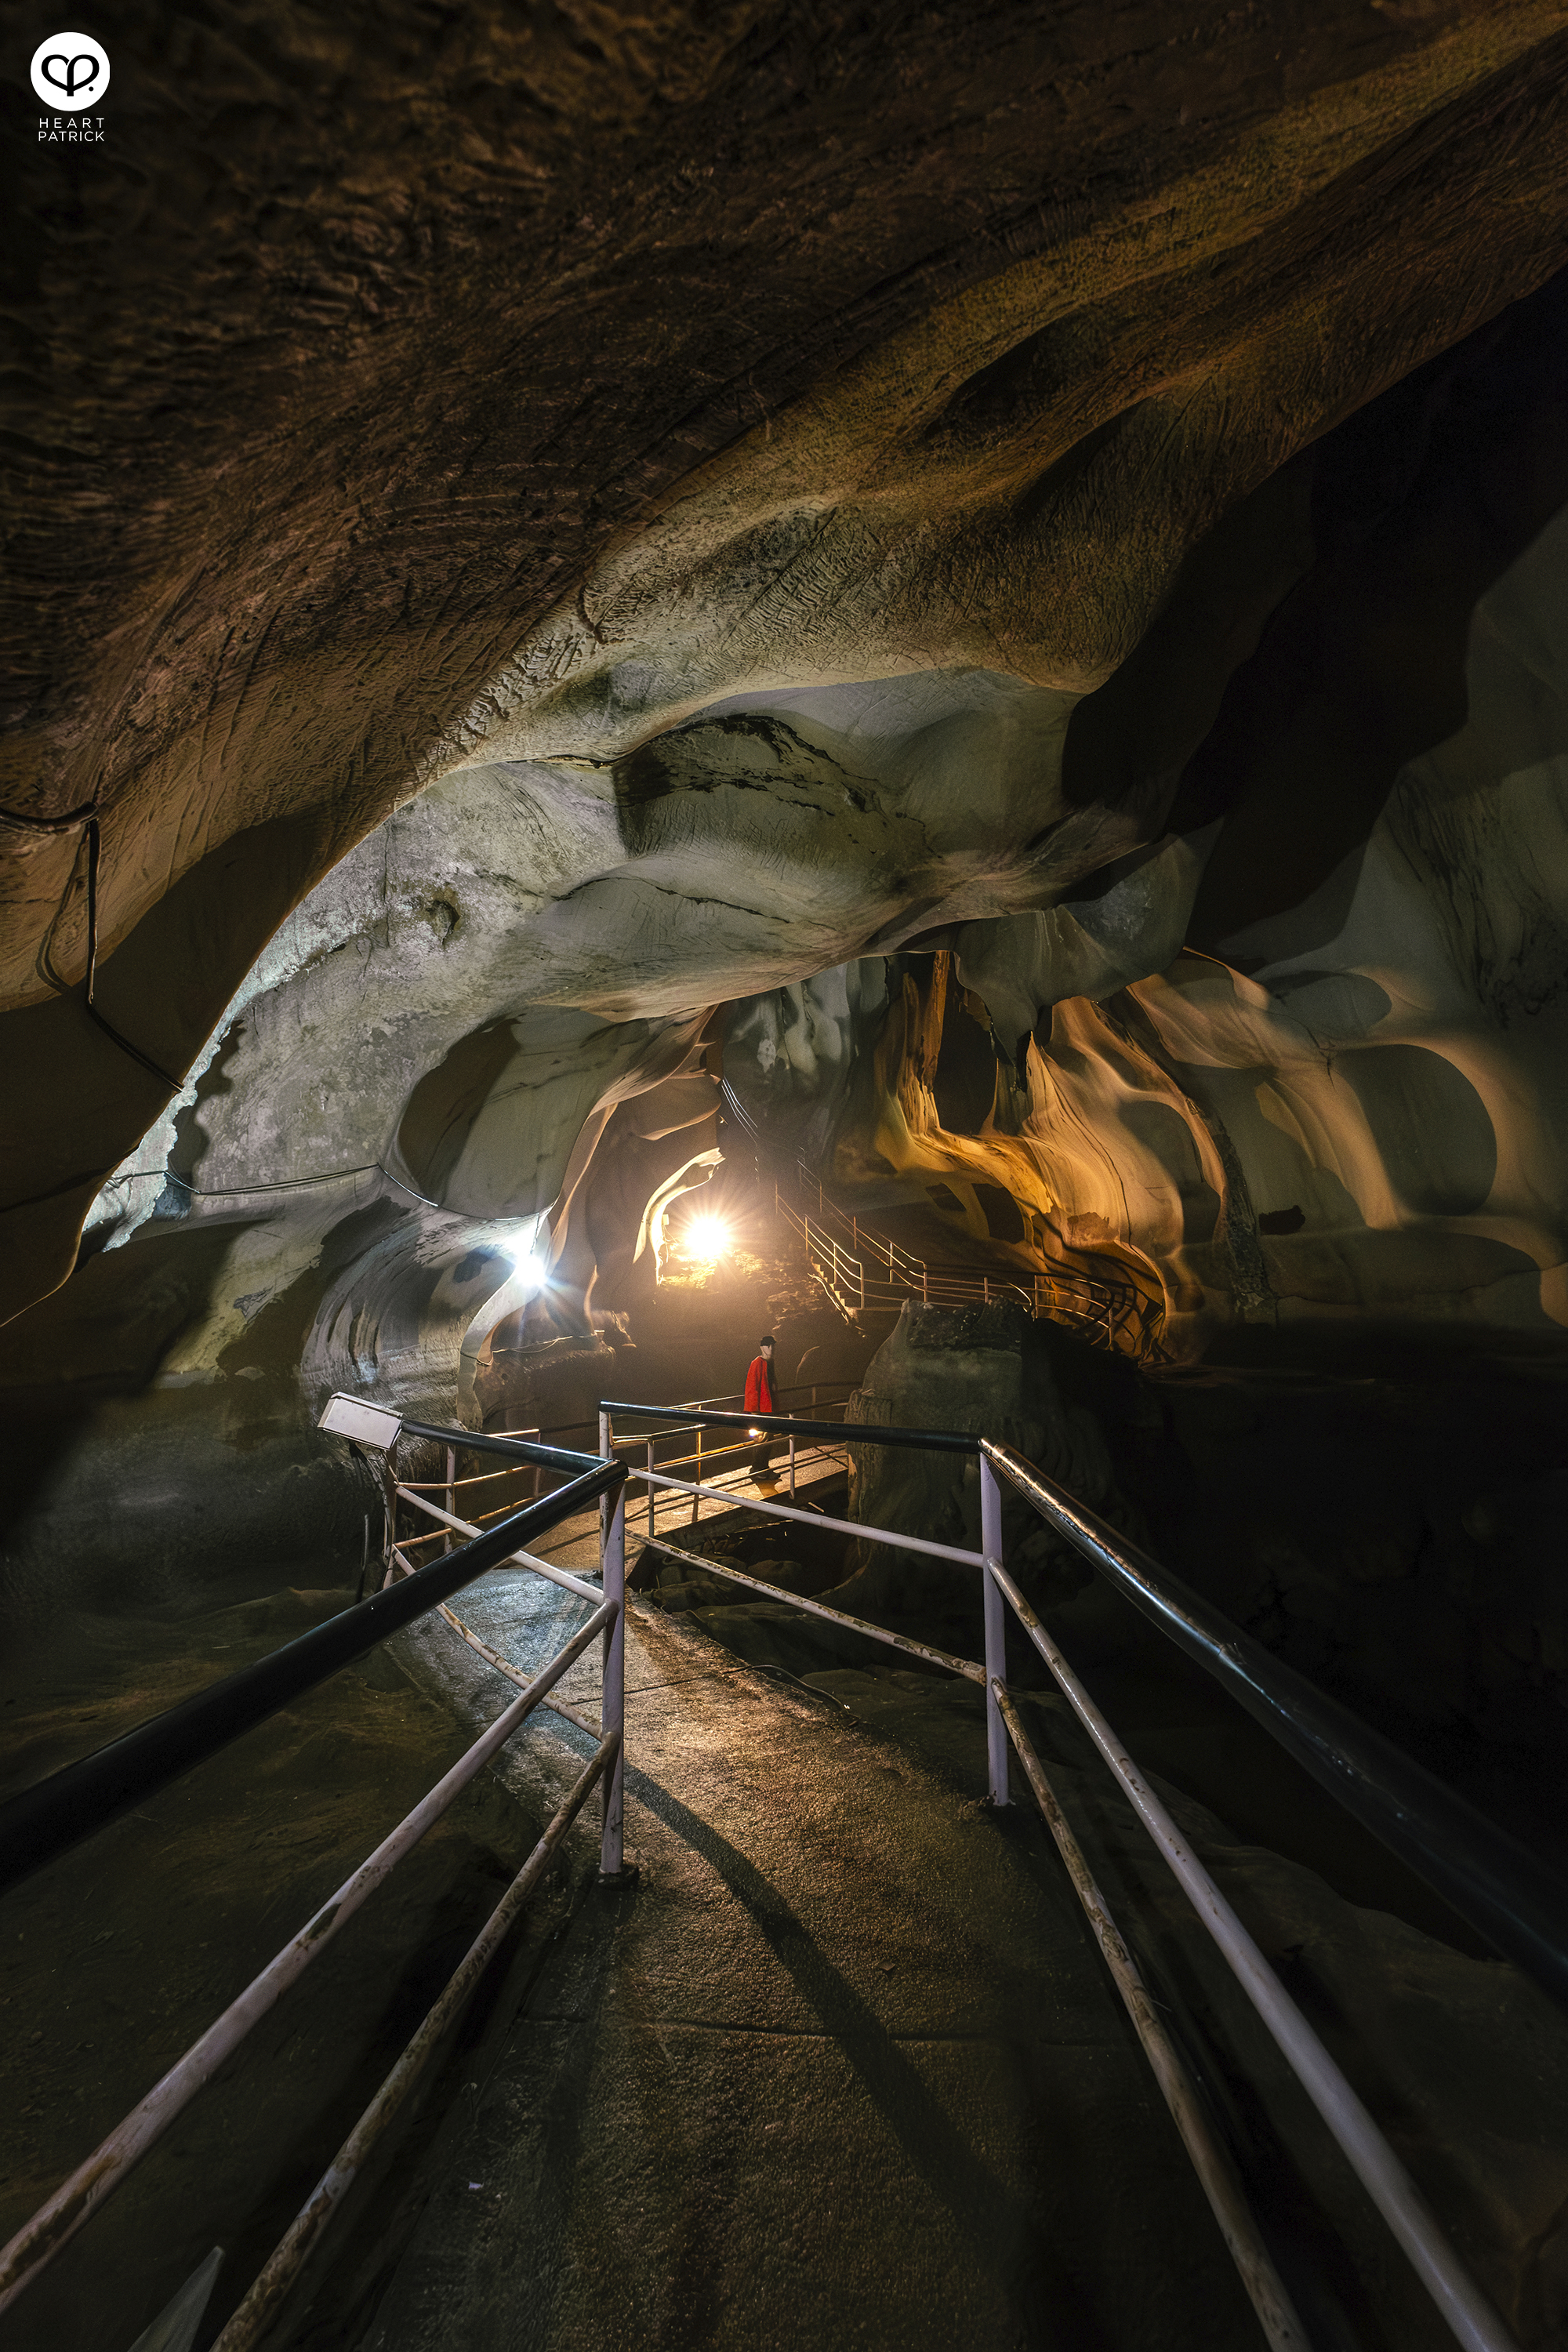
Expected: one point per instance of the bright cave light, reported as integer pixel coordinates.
(528, 1266)
(707, 1239)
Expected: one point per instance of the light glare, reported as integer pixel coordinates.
(707, 1239)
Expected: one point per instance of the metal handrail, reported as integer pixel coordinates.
(781, 1425)
(99, 2175)
(735, 1397)
(44, 1821)
(183, 1736)
(1212, 2160)
(1341, 1752)
(548, 1457)
(1486, 1876)
(819, 1519)
(907, 1274)
(1468, 2314)
(253, 2320)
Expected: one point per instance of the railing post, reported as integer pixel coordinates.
(451, 1492)
(613, 1870)
(996, 1631)
(792, 1466)
(389, 1491)
(607, 1453)
(697, 1499)
(650, 1490)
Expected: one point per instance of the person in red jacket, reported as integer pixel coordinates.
(761, 1397)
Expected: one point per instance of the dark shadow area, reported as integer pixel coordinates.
(1043, 2291)
(123, 1953)
(1420, 502)
(103, 1334)
(1433, 1133)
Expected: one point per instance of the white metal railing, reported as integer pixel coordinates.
(57, 2220)
(1094, 1307)
(1097, 1307)
(1469, 2315)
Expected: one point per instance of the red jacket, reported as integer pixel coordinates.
(760, 1392)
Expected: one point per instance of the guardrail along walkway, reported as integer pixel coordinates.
(842, 2071)
(846, 2069)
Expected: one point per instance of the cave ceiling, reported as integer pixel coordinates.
(1028, 539)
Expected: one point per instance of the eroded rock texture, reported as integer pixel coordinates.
(534, 529)
(1297, 1062)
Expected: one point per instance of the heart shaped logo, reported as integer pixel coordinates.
(70, 70)
(71, 74)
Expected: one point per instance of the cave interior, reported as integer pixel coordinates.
(894, 679)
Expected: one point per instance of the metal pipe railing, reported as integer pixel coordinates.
(732, 1398)
(1211, 2159)
(850, 1432)
(814, 1519)
(1466, 2312)
(1073, 1295)
(44, 1820)
(942, 1440)
(1488, 1877)
(1471, 2316)
(613, 1868)
(1403, 1804)
(492, 1656)
(98, 2176)
(561, 1576)
(967, 1668)
(254, 2316)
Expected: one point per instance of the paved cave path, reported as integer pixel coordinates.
(844, 2069)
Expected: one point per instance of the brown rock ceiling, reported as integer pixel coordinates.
(393, 390)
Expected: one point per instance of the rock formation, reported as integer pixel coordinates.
(1019, 551)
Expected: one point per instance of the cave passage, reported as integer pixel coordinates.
(789, 710)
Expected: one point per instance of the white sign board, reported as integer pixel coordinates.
(369, 1424)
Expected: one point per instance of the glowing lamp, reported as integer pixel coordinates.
(707, 1238)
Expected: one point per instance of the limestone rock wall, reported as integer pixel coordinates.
(509, 394)
(502, 578)
(1298, 1066)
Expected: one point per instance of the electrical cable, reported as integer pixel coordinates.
(87, 816)
(109, 1031)
(236, 1191)
(285, 1183)
(48, 824)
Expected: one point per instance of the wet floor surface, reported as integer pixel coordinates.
(845, 2068)
(842, 2069)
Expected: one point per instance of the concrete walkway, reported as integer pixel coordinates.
(842, 2069)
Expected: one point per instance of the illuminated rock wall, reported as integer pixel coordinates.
(691, 536)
